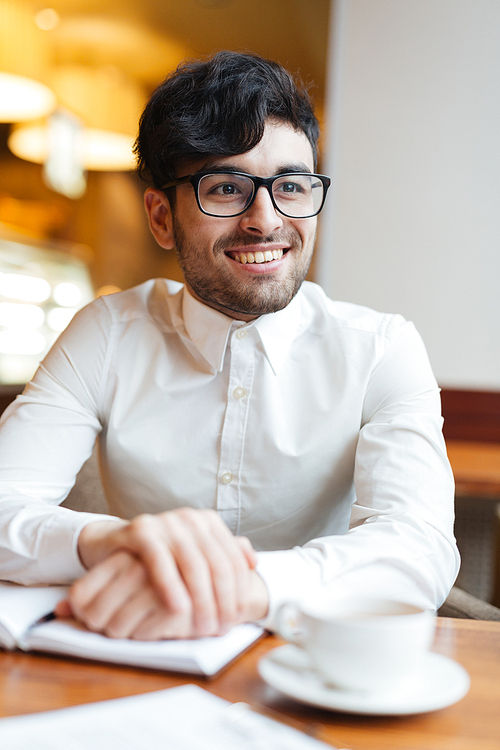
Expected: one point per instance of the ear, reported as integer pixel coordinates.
(159, 214)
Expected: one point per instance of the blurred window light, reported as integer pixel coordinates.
(26, 288)
(59, 318)
(22, 342)
(67, 294)
(29, 269)
(15, 315)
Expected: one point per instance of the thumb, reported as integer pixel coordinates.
(63, 609)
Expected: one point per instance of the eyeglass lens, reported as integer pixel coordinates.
(297, 195)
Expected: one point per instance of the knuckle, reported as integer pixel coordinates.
(92, 622)
(141, 526)
(114, 632)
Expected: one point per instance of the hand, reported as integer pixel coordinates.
(120, 602)
(195, 571)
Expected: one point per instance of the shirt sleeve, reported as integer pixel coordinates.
(45, 437)
(400, 542)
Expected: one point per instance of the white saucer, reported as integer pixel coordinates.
(439, 682)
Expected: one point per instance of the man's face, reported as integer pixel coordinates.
(209, 249)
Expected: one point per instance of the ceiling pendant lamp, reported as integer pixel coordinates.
(108, 106)
(23, 64)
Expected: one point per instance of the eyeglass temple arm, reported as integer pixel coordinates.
(179, 181)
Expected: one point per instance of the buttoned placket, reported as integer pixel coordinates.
(241, 351)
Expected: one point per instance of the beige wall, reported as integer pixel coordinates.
(413, 222)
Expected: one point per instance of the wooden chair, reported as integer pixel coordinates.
(461, 604)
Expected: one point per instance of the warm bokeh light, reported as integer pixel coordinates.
(23, 98)
(24, 62)
(47, 19)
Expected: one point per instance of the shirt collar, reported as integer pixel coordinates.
(209, 330)
(278, 330)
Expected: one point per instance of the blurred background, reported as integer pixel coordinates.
(408, 95)
(67, 184)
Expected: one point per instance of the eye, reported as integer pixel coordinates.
(290, 187)
(297, 186)
(225, 188)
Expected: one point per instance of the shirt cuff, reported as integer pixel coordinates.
(58, 554)
(289, 576)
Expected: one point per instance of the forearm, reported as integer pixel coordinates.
(38, 541)
(386, 557)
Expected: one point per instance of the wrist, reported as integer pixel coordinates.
(258, 601)
(96, 542)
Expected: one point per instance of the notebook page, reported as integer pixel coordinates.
(195, 656)
(21, 606)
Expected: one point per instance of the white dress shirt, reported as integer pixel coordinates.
(315, 431)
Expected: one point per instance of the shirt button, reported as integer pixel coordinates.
(239, 392)
(241, 335)
(227, 477)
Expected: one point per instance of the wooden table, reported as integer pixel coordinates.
(476, 467)
(31, 683)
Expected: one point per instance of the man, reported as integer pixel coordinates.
(267, 443)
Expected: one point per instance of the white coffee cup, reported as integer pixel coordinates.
(360, 643)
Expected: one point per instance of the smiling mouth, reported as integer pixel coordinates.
(258, 257)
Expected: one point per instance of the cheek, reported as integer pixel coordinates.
(308, 234)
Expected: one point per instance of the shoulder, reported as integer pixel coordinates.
(154, 299)
(329, 316)
(150, 306)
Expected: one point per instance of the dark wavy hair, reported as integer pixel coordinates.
(218, 107)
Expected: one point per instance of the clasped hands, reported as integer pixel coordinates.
(177, 574)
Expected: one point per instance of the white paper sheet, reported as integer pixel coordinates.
(183, 718)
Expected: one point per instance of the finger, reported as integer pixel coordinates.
(63, 609)
(136, 609)
(162, 625)
(145, 536)
(242, 559)
(248, 551)
(89, 585)
(193, 565)
(120, 577)
(227, 566)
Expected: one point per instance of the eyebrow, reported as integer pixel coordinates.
(229, 168)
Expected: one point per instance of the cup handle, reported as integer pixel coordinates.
(287, 614)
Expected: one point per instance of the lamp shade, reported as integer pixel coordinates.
(24, 57)
(108, 105)
(99, 150)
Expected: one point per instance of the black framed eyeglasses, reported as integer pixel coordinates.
(297, 195)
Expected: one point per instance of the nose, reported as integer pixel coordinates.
(261, 218)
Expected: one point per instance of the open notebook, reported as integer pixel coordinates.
(22, 606)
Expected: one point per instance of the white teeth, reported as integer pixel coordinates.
(259, 257)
